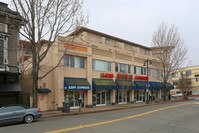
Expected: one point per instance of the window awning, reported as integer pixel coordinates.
(76, 84)
(155, 85)
(10, 87)
(126, 84)
(43, 90)
(169, 85)
(141, 84)
(104, 84)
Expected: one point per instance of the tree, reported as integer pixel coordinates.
(184, 83)
(169, 49)
(47, 19)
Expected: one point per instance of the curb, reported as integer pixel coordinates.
(106, 110)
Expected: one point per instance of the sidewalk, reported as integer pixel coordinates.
(50, 114)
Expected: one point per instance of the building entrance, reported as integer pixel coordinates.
(73, 97)
(139, 95)
(101, 97)
(122, 96)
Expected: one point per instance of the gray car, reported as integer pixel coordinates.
(18, 113)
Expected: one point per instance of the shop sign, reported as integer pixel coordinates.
(125, 76)
(107, 75)
(141, 77)
(78, 87)
(75, 47)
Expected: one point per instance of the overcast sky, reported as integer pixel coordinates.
(136, 20)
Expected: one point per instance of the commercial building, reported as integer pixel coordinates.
(98, 68)
(186, 79)
(10, 23)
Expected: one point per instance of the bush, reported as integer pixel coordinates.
(157, 100)
(185, 98)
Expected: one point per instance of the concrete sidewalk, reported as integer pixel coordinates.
(50, 114)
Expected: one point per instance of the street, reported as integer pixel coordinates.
(179, 117)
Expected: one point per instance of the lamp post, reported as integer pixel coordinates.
(147, 86)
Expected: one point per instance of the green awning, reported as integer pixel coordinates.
(104, 84)
(126, 84)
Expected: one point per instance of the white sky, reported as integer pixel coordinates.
(136, 20)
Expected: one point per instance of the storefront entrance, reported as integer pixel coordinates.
(139, 95)
(101, 97)
(73, 96)
(122, 96)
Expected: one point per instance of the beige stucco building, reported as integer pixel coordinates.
(98, 68)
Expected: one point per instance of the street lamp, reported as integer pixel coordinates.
(147, 86)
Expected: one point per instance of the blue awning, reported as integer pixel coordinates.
(169, 85)
(76, 84)
(155, 85)
(43, 90)
(126, 84)
(104, 84)
(141, 84)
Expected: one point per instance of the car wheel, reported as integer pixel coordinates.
(28, 118)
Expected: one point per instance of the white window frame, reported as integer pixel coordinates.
(127, 68)
(94, 65)
(77, 62)
(107, 41)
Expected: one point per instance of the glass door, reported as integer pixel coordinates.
(122, 96)
(101, 97)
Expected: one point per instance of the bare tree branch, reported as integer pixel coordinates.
(169, 49)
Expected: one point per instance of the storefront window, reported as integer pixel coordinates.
(123, 68)
(101, 65)
(74, 61)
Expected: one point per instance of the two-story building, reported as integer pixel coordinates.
(10, 23)
(186, 79)
(98, 68)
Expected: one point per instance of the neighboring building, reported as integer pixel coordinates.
(99, 68)
(10, 23)
(187, 79)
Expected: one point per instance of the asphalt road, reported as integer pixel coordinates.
(182, 117)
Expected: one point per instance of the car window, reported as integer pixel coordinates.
(11, 108)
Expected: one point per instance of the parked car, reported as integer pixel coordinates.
(177, 94)
(18, 113)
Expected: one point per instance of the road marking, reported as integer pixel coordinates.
(111, 121)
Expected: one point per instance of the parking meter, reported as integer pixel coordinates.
(80, 102)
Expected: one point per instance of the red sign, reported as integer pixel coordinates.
(108, 75)
(141, 77)
(124, 76)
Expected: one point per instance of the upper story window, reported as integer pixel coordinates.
(123, 68)
(174, 75)
(146, 52)
(1, 50)
(139, 70)
(100, 65)
(74, 61)
(107, 41)
(188, 73)
(153, 72)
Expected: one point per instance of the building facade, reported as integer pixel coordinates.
(10, 23)
(187, 80)
(97, 68)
